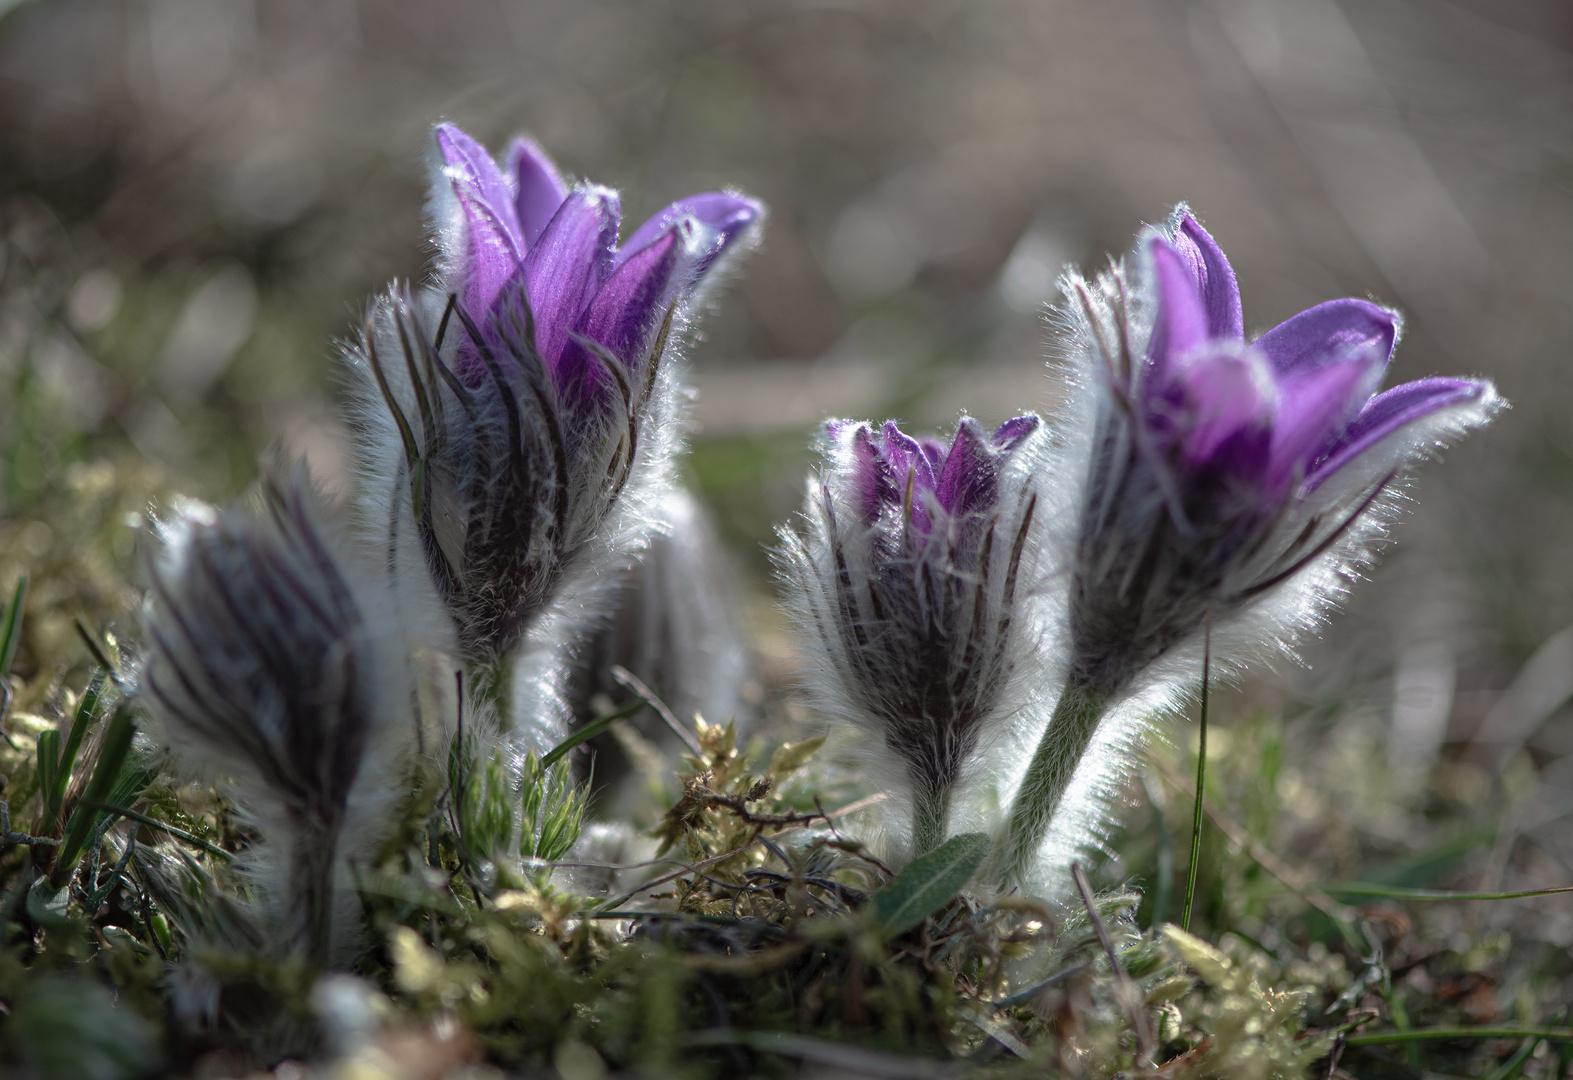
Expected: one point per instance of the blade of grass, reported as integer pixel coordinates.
(154, 823)
(1201, 782)
(86, 713)
(111, 759)
(1377, 1038)
(1239, 836)
(1392, 892)
(1514, 1066)
(628, 679)
(591, 730)
(10, 637)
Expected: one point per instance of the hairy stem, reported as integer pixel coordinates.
(309, 891)
(1061, 749)
(930, 815)
(490, 682)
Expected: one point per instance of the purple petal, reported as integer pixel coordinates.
(1314, 408)
(1215, 280)
(872, 486)
(1227, 395)
(1336, 328)
(721, 217)
(1182, 321)
(934, 451)
(568, 264)
(1389, 411)
(1009, 434)
(968, 481)
(539, 187)
(905, 457)
(493, 245)
(621, 317)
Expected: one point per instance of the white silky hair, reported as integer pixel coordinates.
(219, 671)
(675, 623)
(810, 564)
(1350, 514)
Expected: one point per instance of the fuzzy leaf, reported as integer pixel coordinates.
(792, 756)
(1200, 957)
(929, 883)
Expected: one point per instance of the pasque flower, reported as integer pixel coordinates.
(1217, 478)
(520, 418)
(272, 669)
(906, 585)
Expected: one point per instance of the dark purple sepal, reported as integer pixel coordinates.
(1227, 404)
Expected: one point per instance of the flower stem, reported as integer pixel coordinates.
(930, 814)
(1201, 778)
(491, 683)
(1064, 742)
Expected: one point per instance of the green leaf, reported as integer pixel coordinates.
(929, 883)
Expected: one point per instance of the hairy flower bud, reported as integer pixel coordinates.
(906, 584)
(519, 435)
(270, 669)
(1219, 482)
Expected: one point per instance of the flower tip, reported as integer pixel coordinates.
(1012, 432)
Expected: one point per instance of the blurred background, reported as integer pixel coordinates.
(197, 196)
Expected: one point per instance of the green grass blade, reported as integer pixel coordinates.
(1201, 783)
(49, 784)
(1427, 1034)
(153, 823)
(590, 731)
(1513, 1067)
(86, 713)
(1358, 889)
(112, 756)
